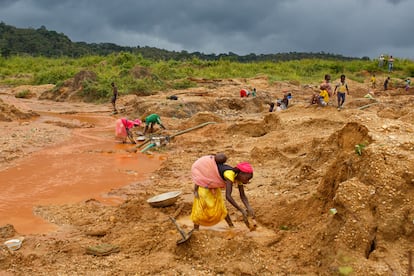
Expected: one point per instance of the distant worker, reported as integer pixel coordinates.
(271, 107)
(342, 87)
(390, 64)
(381, 61)
(327, 84)
(281, 104)
(244, 93)
(151, 120)
(285, 100)
(254, 92)
(407, 84)
(322, 98)
(386, 83)
(114, 97)
(323, 95)
(314, 99)
(373, 81)
(278, 106)
(123, 129)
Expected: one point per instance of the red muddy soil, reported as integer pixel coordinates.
(73, 185)
(67, 172)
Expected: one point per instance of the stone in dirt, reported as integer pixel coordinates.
(103, 249)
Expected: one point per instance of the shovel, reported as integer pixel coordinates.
(178, 133)
(185, 236)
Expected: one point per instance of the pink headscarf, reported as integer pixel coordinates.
(245, 167)
(137, 122)
(130, 124)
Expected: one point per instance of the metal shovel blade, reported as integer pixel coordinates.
(185, 236)
(188, 236)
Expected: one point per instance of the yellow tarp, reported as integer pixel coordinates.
(209, 209)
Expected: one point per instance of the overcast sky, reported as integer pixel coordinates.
(354, 28)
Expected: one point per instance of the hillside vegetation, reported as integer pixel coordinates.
(91, 75)
(39, 56)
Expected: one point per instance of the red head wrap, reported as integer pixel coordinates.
(245, 167)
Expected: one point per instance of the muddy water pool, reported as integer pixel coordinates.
(88, 165)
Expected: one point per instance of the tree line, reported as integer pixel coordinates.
(43, 42)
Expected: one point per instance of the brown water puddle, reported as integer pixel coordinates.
(88, 165)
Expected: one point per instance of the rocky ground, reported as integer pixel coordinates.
(307, 161)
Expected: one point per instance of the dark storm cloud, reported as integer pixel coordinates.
(396, 1)
(348, 27)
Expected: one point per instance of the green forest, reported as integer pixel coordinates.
(42, 42)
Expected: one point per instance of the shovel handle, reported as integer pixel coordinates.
(183, 234)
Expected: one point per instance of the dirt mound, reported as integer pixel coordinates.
(408, 118)
(268, 154)
(394, 111)
(80, 78)
(201, 118)
(10, 113)
(351, 134)
(29, 91)
(71, 88)
(248, 127)
(189, 105)
(7, 231)
(272, 121)
(332, 158)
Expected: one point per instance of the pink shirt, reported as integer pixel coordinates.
(127, 123)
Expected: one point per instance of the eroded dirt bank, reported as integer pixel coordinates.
(305, 164)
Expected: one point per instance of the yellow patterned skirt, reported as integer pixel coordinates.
(209, 208)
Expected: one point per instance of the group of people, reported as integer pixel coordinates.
(381, 61)
(407, 83)
(390, 61)
(123, 126)
(323, 97)
(246, 93)
(210, 174)
(281, 104)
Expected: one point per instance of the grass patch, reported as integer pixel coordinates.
(25, 94)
